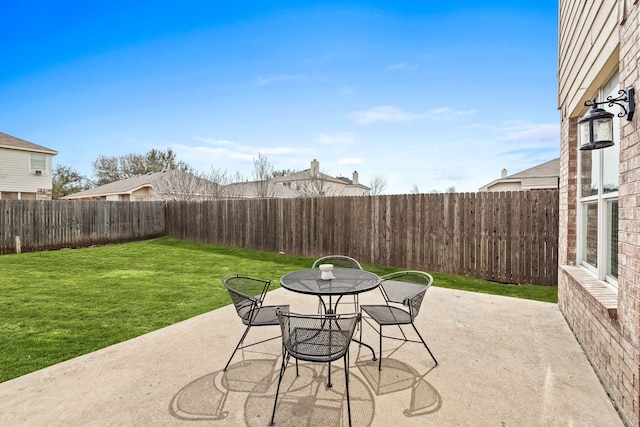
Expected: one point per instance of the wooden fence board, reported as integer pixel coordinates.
(510, 237)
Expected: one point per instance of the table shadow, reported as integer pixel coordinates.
(304, 400)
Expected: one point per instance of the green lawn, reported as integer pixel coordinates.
(61, 304)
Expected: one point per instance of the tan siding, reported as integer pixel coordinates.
(505, 186)
(15, 172)
(588, 50)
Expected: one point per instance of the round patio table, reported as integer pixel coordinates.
(346, 281)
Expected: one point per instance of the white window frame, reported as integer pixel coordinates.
(38, 162)
(602, 199)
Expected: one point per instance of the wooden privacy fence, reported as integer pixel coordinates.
(509, 237)
(53, 224)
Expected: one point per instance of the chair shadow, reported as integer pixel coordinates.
(206, 397)
(304, 400)
(397, 376)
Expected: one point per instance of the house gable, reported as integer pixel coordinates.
(25, 169)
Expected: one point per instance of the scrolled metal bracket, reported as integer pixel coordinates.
(624, 96)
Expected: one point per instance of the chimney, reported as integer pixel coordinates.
(504, 173)
(315, 167)
(355, 178)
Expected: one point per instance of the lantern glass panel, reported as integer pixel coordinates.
(603, 129)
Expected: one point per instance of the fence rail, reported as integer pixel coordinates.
(510, 237)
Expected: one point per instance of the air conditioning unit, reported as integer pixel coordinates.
(38, 172)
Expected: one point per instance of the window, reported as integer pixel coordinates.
(598, 202)
(38, 163)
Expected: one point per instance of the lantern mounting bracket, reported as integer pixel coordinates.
(624, 96)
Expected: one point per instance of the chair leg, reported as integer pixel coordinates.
(246, 331)
(285, 360)
(380, 358)
(425, 344)
(346, 384)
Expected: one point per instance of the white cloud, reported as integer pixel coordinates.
(231, 156)
(267, 80)
(350, 161)
(387, 113)
(403, 66)
(446, 113)
(223, 142)
(336, 138)
(533, 132)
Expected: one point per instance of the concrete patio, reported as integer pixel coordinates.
(502, 362)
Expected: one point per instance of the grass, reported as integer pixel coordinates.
(61, 304)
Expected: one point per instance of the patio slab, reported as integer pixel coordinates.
(502, 362)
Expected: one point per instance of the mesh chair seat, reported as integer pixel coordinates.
(316, 338)
(405, 288)
(264, 316)
(387, 315)
(247, 294)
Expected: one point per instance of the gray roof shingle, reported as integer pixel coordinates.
(11, 142)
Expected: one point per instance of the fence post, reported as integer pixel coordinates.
(18, 245)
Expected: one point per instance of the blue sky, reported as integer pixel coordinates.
(428, 95)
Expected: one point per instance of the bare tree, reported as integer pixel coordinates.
(317, 185)
(415, 189)
(283, 172)
(447, 190)
(225, 182)
(313, 183)
(181, 185)
(262, 174)
(378, 184)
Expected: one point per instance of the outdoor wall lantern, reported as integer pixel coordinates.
(596, 127)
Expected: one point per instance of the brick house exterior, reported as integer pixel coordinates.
(599, 293)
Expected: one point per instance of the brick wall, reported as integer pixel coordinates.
(606, 323)
(44, 194)
(590, 309)
(568, 191)
(629, 218)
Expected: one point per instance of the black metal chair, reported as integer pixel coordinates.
(340, 261)
(247, 294)
(403, 292)
(316, 338)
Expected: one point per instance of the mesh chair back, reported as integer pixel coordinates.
(407, 288)
(340, 261)
(317, 338)
(247, 294)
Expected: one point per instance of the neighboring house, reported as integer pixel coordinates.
(542, 176)
(166, 185)
(313, 183)
(258, 189)
(599, 231)
(25, 169)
